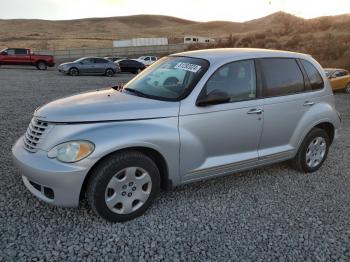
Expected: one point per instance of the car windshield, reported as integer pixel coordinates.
(170, 78)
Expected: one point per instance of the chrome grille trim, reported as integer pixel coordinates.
(36, 131)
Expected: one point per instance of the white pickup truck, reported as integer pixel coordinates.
(147, 60)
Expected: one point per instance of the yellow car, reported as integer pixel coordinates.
(339, 78)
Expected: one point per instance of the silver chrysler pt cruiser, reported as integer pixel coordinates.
(188, 117)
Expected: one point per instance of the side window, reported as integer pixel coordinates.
(87, 61)
(343, 73)
(21, 51)
(314, 76)
(281, 76)
(10, 51)
(237, 79)
(100, 61)
(147, 58)
(338, 74)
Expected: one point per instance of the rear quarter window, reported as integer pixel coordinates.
(314, 76)
(281, 76)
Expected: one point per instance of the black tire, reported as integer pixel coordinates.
(102, 174)
(137, 71)
(300, 162)
(73, 71)
(347, 88)
(41, 65)
(109, 72)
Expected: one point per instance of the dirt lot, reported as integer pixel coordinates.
(266, 214)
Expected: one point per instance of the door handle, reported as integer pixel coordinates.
(256, 111)
(309, 103)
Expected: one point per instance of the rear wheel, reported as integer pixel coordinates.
(123, 186)
(73, 71)
(109, 72)
(313, 151)
(41, 65)
(347, 88)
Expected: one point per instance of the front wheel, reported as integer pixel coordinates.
(123, 186)
(73, 71)
(313, 151)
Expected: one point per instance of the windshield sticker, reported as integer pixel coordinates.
(188, 67)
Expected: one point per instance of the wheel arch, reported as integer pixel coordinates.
(329, 128)
(39, 61)
(156, 156)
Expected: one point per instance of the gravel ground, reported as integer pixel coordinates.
(271, 213)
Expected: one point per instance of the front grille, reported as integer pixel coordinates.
(35, 133)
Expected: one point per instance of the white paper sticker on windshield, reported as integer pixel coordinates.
(188, 67)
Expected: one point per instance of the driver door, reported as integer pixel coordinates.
(87, 66)
(221, 138)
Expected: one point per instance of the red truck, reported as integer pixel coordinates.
(22, 56)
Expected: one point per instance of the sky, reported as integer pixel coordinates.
(197, 10)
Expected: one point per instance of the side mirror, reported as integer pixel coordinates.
(215, 97)
(4, 53)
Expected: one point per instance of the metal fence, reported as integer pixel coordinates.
(132, 51)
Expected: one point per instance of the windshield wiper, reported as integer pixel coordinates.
(136, 92)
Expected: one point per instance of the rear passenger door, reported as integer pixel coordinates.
(286, 98)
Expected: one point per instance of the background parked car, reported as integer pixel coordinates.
(89, 66)
(114, 58)
(130, 66)
(339, 78)
(23, 56)
(147, 60)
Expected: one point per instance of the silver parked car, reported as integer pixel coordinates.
(89, 66)
(188, 117)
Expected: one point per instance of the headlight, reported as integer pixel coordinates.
(72, 151)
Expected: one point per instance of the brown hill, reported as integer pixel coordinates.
(98, 32)
(326, 38)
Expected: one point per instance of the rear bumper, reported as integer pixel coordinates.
(48, 179)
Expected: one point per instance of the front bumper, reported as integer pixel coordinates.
(48, 179)
(63, 70)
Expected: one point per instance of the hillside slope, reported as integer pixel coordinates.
(326, 38)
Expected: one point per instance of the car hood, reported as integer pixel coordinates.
(105, 105)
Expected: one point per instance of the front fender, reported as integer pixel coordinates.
(157, 134)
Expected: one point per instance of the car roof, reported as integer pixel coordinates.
(93, 57)
(216, 55)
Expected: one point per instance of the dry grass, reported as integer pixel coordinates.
(326, 38)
